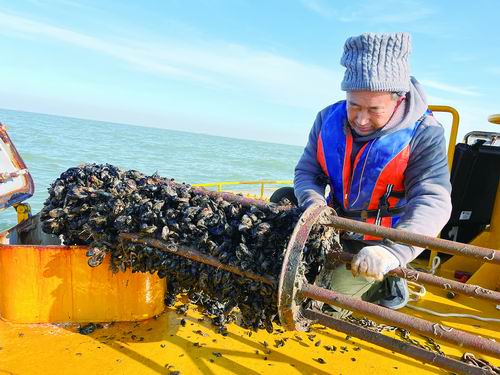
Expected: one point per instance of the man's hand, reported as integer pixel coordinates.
(373, 262)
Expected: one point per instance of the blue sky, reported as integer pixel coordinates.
(246, 69)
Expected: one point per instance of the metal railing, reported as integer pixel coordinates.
(454, 128)
(262, 183)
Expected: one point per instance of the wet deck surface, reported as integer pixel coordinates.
(186, 343)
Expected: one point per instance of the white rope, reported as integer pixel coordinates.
(415, 295)
(452, 315)
(436, 261)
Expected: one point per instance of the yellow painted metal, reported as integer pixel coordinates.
(261, 183)
(490, 237)
(23, 211)
(459, 263)
(55, 284)
(163, 344)
(451, 144)
(488, 276)
(494, 119)
(454, 128)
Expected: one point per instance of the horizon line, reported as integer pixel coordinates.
(147, 126)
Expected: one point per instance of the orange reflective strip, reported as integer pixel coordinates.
(320, 155)
(347, 166)
(403, 163)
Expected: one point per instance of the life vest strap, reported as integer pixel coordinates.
(383, 209)
(396, 211)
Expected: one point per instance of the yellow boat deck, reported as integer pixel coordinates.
(190, 344)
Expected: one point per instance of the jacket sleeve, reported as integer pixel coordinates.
(309, 182)
(428, 189)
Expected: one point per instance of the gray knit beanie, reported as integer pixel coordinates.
(377, 62)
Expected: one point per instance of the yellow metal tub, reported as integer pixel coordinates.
(46, 284)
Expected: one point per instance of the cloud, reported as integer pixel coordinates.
(464, 58)
(319, 7)
(59, 3)
(449, 88)
(212, 63)
(41, 30)
(494, 70)
(372, 12)
(439, 100)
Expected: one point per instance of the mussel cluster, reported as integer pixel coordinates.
(92, 204)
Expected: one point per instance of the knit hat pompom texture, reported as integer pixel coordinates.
(377, 62)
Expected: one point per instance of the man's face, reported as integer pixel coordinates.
(368, 111)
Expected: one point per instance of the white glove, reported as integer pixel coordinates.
(373, 262)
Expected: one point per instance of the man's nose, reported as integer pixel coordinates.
(362, 118)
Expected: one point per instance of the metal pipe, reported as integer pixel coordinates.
(195, 256)
(421, 326)
(399, 235)
(393, 344)
(428, 279)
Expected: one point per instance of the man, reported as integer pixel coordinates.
(383, 155)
